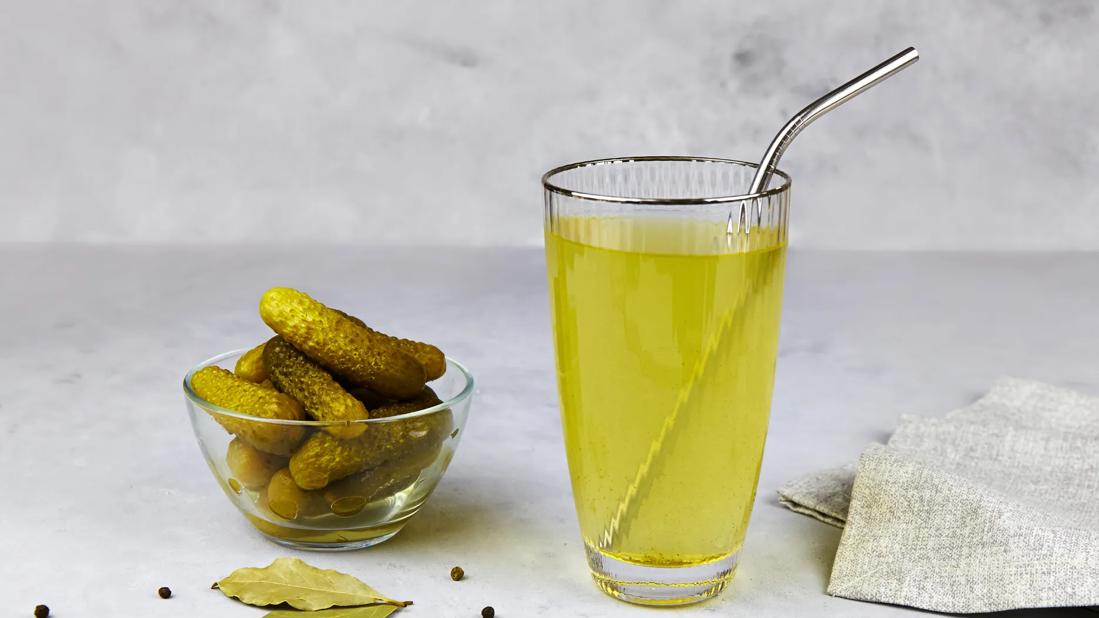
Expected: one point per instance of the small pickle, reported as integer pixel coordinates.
(345, 506)
(341, 345)
(250, 365)
(431, 357)
(251, 467)
(288, 501)
(425, 399)
(323, 459)
(221, 388)
(322, 397)
(349, 495)
(369, 398)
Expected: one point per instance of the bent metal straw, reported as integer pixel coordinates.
(635, 493)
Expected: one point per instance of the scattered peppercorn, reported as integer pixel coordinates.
(457, 573)
(488, 612)
(41, 611)
(164, 592)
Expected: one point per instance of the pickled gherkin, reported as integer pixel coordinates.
(346, 506)
(388, 406)
(252, 467)
(250, 365)
(322, 397)
(222, 388)
(351, 494)
(369, 398)
(323, 459)
(288, 501)
(430, 357)
(425, 399)
(341, 345)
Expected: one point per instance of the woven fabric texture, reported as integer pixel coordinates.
(994, 506)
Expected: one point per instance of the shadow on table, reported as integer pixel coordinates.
(818, 540)
(449, 514)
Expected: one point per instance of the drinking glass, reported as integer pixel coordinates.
(666, 290)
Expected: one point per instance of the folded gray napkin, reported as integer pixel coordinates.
(992, 507)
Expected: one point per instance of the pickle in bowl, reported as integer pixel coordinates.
(372, 499)
(327, 436)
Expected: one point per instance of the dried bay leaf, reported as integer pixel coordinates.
(370, 611)
(301, 586)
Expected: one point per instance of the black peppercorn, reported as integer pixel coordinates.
(488, 612)
(41, 611)
(164, 592)
(457, 573)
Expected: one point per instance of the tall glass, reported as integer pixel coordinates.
(666, 290)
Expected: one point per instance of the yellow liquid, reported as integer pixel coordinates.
(666, 333)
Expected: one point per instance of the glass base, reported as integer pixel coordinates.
(659, 585)
(331, 546)
(318, 539)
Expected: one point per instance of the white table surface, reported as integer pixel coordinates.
(104, 496)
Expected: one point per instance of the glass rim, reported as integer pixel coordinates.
(189, 392)
(548, 184)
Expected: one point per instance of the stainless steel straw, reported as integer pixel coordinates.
(638, 489)
(822, 106)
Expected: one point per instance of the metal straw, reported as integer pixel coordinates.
(630, 502)
(822, 106)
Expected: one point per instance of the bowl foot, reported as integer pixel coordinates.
(333, 546)
(318, 539)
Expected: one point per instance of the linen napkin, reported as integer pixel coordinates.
(992, 507)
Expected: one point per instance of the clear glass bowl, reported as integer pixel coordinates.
(362, 510)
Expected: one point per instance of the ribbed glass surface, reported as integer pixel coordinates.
(670, 189)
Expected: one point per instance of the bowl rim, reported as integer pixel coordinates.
(193, 397)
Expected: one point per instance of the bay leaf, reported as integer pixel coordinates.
(301, 586)
(370, 611)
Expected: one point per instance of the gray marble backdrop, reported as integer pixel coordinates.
(270, 121)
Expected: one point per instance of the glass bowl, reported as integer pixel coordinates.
(358, 511)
